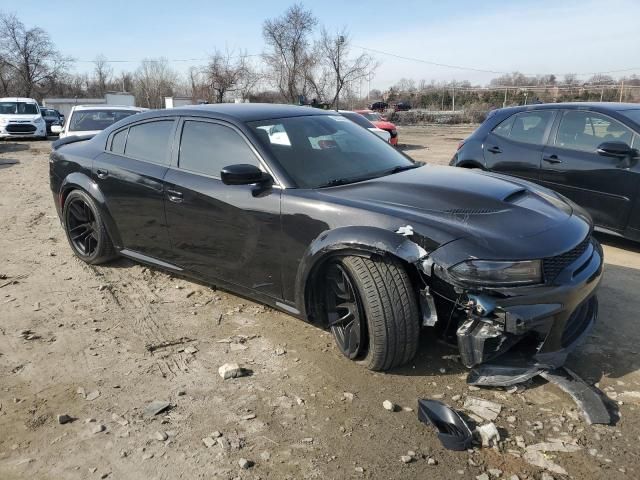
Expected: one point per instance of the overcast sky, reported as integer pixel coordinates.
(533, 37)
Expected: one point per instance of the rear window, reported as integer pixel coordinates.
(90, 120)
(358, 119)
(150, 141)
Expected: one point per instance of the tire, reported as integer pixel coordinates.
(85, 229)
(390, 325)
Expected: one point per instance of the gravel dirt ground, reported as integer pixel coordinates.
(99, 344)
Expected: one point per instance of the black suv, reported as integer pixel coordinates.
(585, 151)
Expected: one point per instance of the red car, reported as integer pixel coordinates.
(380, 122)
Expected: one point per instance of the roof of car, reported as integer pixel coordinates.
(248, 112)
(102, 106)
(18, 99)
(597, 106)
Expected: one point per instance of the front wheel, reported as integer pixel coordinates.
(85, 229)
(372, 311)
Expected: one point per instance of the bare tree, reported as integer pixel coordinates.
(227, 73)
(154, 80)
(335, 50)
(570, 79)
(29, 54)
(102, 73)
(288, 55)
(406, 85)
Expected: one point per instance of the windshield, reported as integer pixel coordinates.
(372, 116)
(88, 120)
(18, 108)
(325, 150)
(47, 112)
(634, 115)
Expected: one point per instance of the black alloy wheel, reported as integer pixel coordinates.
(81, 225)
(344, 312)
(85, 229)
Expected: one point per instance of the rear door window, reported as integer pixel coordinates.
(584, 131)
(118, 141)
(504, 128)
(150, 141)
(530, 127)
(207, 148)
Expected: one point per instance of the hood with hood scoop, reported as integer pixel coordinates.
(464, 203)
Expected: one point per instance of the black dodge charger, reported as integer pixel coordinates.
(307, 212)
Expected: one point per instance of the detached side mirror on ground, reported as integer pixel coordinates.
(243, 174)
(56, 129)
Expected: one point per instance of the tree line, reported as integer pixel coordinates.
(302, 60)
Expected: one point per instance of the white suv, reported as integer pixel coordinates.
(21, 117)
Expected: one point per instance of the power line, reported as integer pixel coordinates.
(481, 70)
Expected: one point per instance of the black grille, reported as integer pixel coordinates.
(578, 321)
(552, 266)
(20, 128)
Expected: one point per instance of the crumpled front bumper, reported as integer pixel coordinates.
(543, 323)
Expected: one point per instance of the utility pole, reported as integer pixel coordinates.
(339, 41)
(621, 90)
(453, 100)
(504, 103)
(601, 93)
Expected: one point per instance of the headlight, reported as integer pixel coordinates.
(491, 273)
(4, 121)
(394, 132)
(38, 120)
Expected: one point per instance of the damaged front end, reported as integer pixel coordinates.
(509, 333)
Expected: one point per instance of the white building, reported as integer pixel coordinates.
(64, 105)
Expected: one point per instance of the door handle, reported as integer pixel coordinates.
(495, 149)
(174, 196)
(102, 173)
(552, 159)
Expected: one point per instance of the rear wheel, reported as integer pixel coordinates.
(85, 229)
(372, 311)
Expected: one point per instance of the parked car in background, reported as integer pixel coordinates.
(359, 119)
(352, 236)
(21, 117)
(402, 107)
(51, 118)
(380, 122)
(585, 151)
(379, 106)
(92, 119)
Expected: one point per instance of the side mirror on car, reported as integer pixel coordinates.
(56, 129)
(619, 150)
(243, 174)
(614, 149)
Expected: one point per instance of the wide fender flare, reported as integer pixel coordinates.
(78, 180)
(353, 240)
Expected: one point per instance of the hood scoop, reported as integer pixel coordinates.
(515, 195)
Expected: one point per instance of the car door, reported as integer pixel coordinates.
(572, 166)
(225, 232)
(514, 146)
(130, 174)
